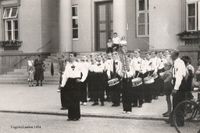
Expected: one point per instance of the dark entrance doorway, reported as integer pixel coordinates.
(103, 24)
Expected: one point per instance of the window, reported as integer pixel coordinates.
(75, 22)
(193, 15)
(142, 18)
(10, 17)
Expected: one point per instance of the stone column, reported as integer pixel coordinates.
(65, 26)
(119, 17)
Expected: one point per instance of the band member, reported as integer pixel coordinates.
(148, 79)
(113, 72)
(126, 74)
(61, 65)
(178, 92)
(91, 79)
(137, 89)
(155, 64)
(108, 67)
(71, 79)
(83, 85)
(99, 80)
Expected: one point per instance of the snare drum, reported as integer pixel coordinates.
(136, 82)
(148, 80)
(113, 82)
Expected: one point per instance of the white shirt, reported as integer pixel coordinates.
(99, 67)
(73, 70)
(179, 72)
(136, 63)
(116, 40)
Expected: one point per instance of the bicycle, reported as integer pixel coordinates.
(190, 109)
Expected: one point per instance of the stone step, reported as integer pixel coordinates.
(25, 82)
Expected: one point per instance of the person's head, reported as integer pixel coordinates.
(167, 66)
(72, 56)
(174, 55)
(186, 60)
(115, 34)
(109, 55)
(153, 54)
(109, 40)
(148, 56)
(136, 54)
(124, 49)
(115, 55)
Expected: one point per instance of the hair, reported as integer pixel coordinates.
(186, 59)
(73, 53)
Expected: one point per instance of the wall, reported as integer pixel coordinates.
(134, 42)
(84, 43)
(165, 23)
(30, 25)
(49, 28)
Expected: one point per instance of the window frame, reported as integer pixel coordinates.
(12, 19)
(146, 23)
(187, 17)
(75, 18)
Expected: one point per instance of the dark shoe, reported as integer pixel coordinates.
(115, 105)
(94, 104)
(140, 106)
(63, 108)
(166, 115)
(102, 103)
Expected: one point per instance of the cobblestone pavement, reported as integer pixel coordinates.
(23, 123)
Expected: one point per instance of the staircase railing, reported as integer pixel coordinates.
(27, 57)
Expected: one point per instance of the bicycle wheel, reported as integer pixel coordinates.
(184, 117)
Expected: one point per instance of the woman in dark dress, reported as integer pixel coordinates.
(39, 70)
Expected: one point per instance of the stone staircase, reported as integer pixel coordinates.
(19, 76)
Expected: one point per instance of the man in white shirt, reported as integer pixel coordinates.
(178, 93)
(71, 79)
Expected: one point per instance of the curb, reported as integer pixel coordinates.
(135, 117)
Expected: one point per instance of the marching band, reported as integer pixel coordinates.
(130, 78)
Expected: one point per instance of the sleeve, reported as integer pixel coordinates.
(64, 77)
(180, 71)
(84, 71)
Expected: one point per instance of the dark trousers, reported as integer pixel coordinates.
(73, 98)
(177, 98)
(83, 88)
(99, 86)
(148, 89)
(115, 94)
(137, 95)
(63, 98)
(126, 94)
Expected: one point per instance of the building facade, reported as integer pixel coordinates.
(31, 27)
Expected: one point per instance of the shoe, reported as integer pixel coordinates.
(115, 105)
(63, 108)
(94, 104)
(166, 115)
(102, 103)
(140, 106)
